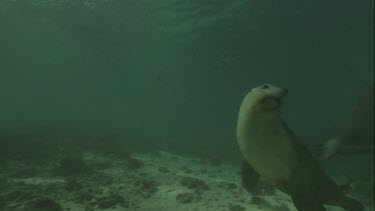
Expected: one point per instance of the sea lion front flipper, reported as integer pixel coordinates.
(307, 202)
(250, 178)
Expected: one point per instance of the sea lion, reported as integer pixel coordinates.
(272, 151)
(358, 133)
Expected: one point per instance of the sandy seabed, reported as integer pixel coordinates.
(143, 182)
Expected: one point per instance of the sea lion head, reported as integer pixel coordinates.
(267, 98)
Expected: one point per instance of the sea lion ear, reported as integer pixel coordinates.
(270, 103)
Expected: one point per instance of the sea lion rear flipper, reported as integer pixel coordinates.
(307, 202)
(327, 149)
(350, 204)
(249, 176)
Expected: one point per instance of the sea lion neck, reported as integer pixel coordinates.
(264, 119)
(250, 120)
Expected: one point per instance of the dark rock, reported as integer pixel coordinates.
(194, 183)
(84, 197)
(19, 195)
(228, 185)
(186, 170)
(72, 165)
(147, 187)
(72, 185)
(102, 165)
(233, 207)
(163, 169)
(188, 198)
(258, 200)
(204, 171)
(134, 163)
(51, 188)
(111, 202)
(43, 204)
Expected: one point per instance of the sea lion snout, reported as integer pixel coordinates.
(269, 90)
(279, 93)
(267, 97)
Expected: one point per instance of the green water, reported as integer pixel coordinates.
(171, 74)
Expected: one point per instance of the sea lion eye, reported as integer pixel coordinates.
(265, 86)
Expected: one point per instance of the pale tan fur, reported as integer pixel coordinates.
(274, 152)
(263, 138)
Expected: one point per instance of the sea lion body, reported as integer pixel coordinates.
(275, 153)
(358, 133)
(267, 157)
